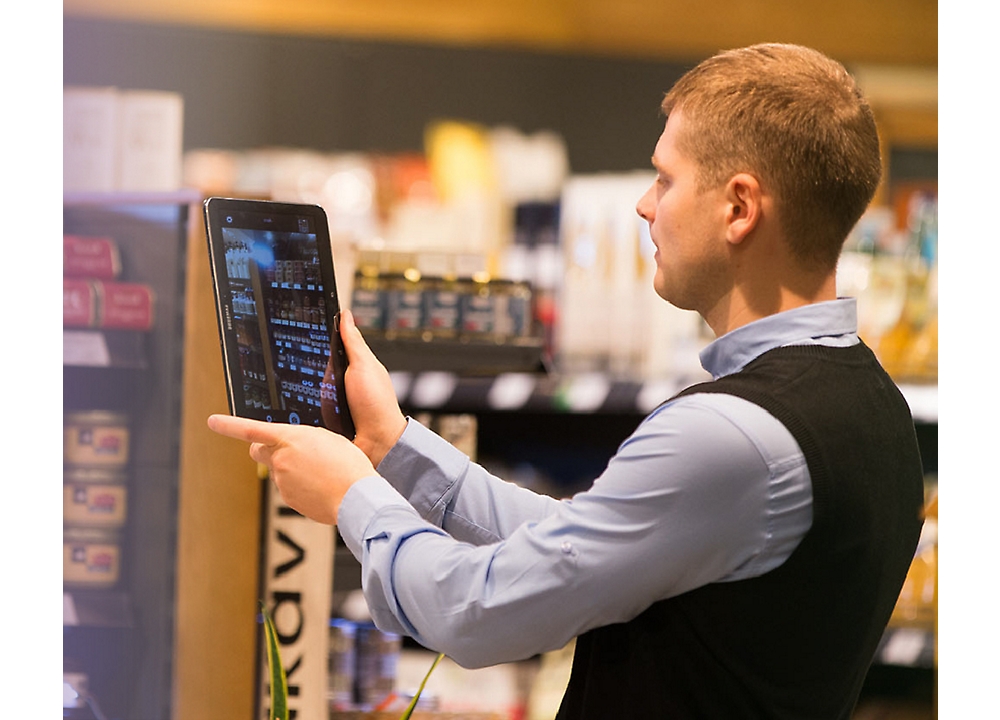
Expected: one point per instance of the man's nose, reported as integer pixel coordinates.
(645, 206)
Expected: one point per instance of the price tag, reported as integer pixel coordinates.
(433, 389)
(510, 391)
(69, 610)
(83, 347)
(904, 646)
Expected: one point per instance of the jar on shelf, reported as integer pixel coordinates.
(91, 557)
(96, 438)
(94, 497)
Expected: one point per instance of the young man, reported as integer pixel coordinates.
(743, 550)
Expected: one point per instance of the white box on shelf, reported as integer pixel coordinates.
(90, 139)
(150, 140)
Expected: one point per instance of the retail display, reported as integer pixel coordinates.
(121, 426)
(503, 292)
(890, 265)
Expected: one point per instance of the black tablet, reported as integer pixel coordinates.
(278, 312)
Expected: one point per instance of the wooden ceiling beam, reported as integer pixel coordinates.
(898, 32)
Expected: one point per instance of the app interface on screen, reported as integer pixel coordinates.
(280, 320)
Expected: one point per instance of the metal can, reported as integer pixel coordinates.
(340, 665)
(91, 557)
(478, 308)
(95, 438)
(376, 658)
(94, 497)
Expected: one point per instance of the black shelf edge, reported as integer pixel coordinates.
(469, 356)
(587, 393)
(87, 608)
(443, 390)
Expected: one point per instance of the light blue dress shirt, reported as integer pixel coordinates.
(709, 488)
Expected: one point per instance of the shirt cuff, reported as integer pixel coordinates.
(362, 501)
(423, 466)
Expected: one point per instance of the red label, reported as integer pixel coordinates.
(79, 304)
(127, 306)
(90, 257)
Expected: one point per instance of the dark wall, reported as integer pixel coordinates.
(244, 90)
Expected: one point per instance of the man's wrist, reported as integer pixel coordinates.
(387, 439)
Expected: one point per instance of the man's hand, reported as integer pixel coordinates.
(378, 421)
(312, 467)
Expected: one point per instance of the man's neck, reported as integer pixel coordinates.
(746, 302)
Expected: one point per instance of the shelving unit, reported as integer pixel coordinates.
(122, 637)
(442, 391)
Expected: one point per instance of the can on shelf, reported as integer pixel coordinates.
(340, 665)
(91, 557)
(95, 438)
(376, 657)
(94, 497)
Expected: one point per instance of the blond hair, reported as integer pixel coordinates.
(797, 121)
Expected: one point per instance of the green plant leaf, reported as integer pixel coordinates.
(413, 703)
(276, 671)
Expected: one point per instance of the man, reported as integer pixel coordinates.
(743, 550)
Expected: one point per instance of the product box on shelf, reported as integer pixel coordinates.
(107, 305)
(90, 139)
(125, 306)
(79, 303)
(151, 129)
(122, 140)
(91, 257)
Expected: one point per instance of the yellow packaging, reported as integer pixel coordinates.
(96, 438)
(91, 557)
(94, 497)
(918, 601)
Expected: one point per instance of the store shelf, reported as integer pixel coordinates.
(97, 608)
(132, 200)
(439, 391)
(122, 637)
(466, 356)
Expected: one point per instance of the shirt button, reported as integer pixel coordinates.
(567, 547)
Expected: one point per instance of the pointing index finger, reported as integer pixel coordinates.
(245, 429)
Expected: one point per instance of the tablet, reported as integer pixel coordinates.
(278, 312)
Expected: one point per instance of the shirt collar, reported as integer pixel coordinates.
(834, 322)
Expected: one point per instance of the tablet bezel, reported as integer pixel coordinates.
(262, 221)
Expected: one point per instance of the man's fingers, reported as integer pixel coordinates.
(354, 342)
(252, 431)
(261, 453)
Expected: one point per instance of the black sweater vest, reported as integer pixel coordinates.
(795, 642)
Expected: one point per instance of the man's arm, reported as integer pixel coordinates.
(669, 514)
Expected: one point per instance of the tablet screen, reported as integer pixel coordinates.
(278, 309)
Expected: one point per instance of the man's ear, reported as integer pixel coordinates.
(744, 198)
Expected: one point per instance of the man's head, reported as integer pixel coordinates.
(797, 121)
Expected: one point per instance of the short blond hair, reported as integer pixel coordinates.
(797, 121)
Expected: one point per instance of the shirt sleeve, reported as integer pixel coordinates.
(708, 488)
